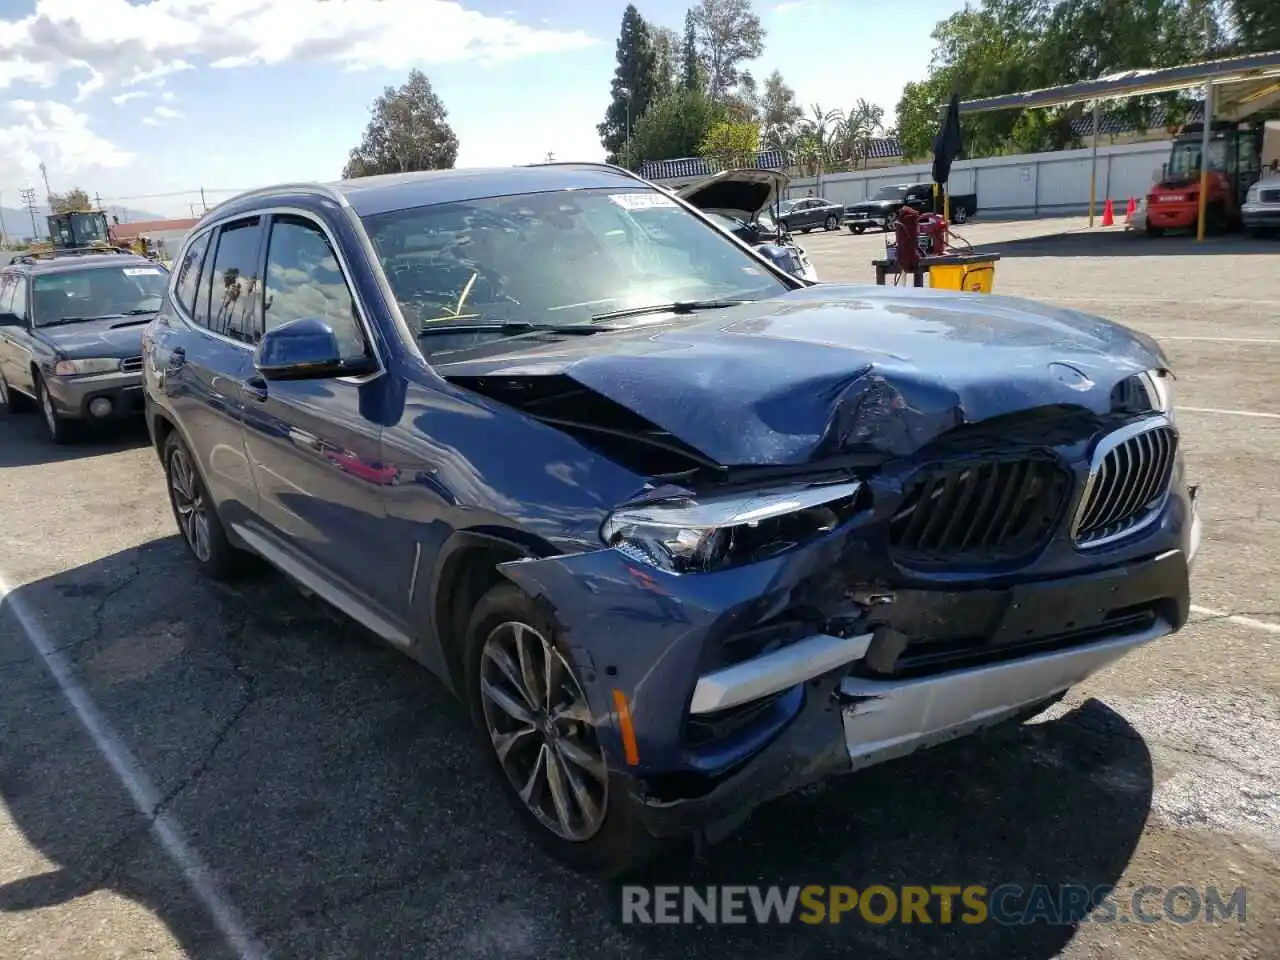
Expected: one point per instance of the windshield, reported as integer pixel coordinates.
(89, 227)
(1186, 157)
(890, 193)
(71, 295)
(560, 257)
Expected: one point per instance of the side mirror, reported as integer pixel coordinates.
(11, 320)
(304, 349)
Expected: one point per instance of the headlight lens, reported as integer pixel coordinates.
(1253, 194)
(80, 368)
(697, 536)
(1159, 387)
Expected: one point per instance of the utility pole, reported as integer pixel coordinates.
(29, 198)
(97, 201)
(4, 239)
(550, 156)
(203, 204)
(47, 192)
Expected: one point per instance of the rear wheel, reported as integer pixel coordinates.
(959, 215)
(832, 222)
(197, 520)
(856, 228)
(540, 738)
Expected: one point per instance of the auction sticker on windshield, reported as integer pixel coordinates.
(142, 271)
(641, 201)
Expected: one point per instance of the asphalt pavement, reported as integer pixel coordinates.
(312, 794)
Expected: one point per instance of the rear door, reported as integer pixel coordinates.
(202, 350)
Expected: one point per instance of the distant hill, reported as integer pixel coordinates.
(17, 221)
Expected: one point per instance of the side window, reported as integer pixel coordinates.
(6, 293)
(188, 281)
(19, 297)
(304, 279)
(232, 285)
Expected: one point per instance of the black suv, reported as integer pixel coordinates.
(71, 334)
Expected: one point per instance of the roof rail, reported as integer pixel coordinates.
(591, 163)
(55, 252)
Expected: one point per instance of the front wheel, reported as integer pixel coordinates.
(856, 228)
(959, 215)
(832, 223)
(541, 738)
(57, 426)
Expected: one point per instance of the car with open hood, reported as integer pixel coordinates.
(71, 327)
(682, 532)
(744, 203)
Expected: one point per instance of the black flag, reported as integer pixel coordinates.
(946, 145)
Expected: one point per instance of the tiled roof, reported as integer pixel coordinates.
(1112, 123)
(700, 167)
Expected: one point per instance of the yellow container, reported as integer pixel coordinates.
(976, 277)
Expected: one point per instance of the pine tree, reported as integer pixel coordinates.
(634, 85)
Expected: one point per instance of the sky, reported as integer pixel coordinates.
(143, 102)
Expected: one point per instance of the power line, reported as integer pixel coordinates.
(178, 193)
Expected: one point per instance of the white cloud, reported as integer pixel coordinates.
(122, 43)
(57, 135)
(122, 98)
(168, 113)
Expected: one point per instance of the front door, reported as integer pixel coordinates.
(316, 445)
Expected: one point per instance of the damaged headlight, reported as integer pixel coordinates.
(699, 535)
(1159, 387)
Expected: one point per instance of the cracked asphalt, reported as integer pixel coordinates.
(333, 789)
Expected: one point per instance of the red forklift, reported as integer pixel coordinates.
(1235, 163)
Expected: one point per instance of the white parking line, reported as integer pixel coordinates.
(200, 878)
(1264, 625)
(1223, 339)
(1230, 413)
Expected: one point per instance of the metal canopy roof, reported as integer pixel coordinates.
(1253, 78)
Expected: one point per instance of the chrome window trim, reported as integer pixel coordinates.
(1108, 443)
(343, 263)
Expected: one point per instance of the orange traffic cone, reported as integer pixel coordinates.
(1130, 210)
(1108, 215)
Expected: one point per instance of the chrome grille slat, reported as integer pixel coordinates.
(1128, 482)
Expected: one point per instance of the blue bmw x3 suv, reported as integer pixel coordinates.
(682, 531)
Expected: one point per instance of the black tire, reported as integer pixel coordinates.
(959, 215)
(805, 229)
(832, 222)
(1154, 231)
(857, 229)
(213, 553)
(782, 226)
(620, 844)
(58, 427)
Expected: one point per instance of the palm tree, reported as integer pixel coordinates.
(859, 127)
(819, 129)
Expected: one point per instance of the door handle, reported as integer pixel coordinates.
(255, 388)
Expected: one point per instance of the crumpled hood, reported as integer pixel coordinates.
(113, 337)
(834, 369)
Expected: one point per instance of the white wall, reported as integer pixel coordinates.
(1035, 184)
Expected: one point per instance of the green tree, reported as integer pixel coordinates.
(73, 201)
(731, 143)
(779, 110)
(1256, 24)
(666, 54)
(634, 84)
(674, 127)
(408, 131)
(692, 72)
(729, 34)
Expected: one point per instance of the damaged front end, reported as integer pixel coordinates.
(837, 558)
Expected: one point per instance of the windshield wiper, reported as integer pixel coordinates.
(61, 320)
(510, 326)
(678, 306)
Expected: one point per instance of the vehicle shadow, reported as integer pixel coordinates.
(1115, 243)
(24, 441)
(333, 788)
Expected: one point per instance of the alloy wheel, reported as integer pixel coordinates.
(189, 504)
(540, 725)
(46, 407)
